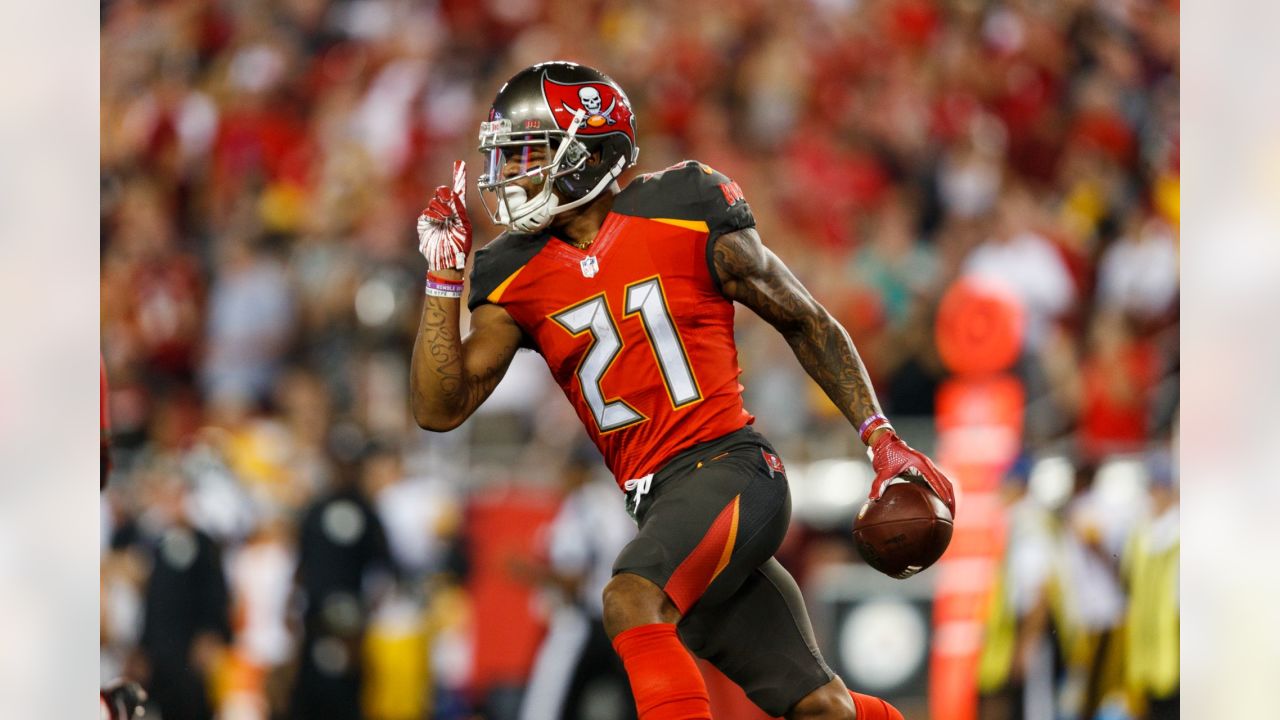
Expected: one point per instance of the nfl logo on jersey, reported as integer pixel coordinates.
(589, 266)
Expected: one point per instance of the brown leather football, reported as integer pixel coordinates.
(903, 532)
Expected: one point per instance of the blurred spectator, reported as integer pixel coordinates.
(1020, 655)
(395, 661)
(577, 675)
(421, 516)
(1152, 629)
(1020, 259)
(912, 364)
(341, 544)
(153, 293)
(250, 318)
(894, 262)
(1118, 377)
(968, 179)
(126, 566)
(301, 437)
(1093, 595)
(186, 608)
(905, 275)
(1138, 274)
(259, 574)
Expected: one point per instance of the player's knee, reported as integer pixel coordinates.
(631, 601)
(829, 702)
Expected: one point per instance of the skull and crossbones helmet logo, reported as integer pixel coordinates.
(591, 103)
(602, 104)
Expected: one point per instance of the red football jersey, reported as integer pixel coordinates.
(634, 329)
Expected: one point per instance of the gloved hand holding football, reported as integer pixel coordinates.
(891, 458)
(907, 521)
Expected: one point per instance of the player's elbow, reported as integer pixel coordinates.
(435, 420)
(436, 424)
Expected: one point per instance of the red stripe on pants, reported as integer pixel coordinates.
(696, 572)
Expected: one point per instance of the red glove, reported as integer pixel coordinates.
(444, 230)
(891, 457)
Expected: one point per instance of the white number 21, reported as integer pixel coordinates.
(645, 299)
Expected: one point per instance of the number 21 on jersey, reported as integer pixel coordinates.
(645, 301)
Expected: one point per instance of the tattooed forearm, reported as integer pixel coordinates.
(751, 274)
(828, 355)
(450, 377)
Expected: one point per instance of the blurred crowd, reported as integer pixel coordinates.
(1084, 616)
(280, 540)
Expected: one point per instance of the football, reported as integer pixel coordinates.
(903, 532)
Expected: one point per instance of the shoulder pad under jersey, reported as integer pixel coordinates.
(499, 260)
(687, 191)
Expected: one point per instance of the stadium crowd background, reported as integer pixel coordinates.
(262, 166)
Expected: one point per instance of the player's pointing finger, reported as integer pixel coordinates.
(460, 178)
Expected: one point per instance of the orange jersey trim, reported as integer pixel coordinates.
(698, 225)
(494, 296)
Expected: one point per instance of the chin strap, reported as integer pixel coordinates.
(605, 181)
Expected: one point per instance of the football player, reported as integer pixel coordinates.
(628, 295)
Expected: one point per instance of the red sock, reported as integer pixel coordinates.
(870, 707)
(664, 679)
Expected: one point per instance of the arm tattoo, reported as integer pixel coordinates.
(439, 332)
(444, 383)
(751, 274)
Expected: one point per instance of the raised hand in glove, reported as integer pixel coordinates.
(444, 230)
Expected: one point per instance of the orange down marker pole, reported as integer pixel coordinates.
(979, 420)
